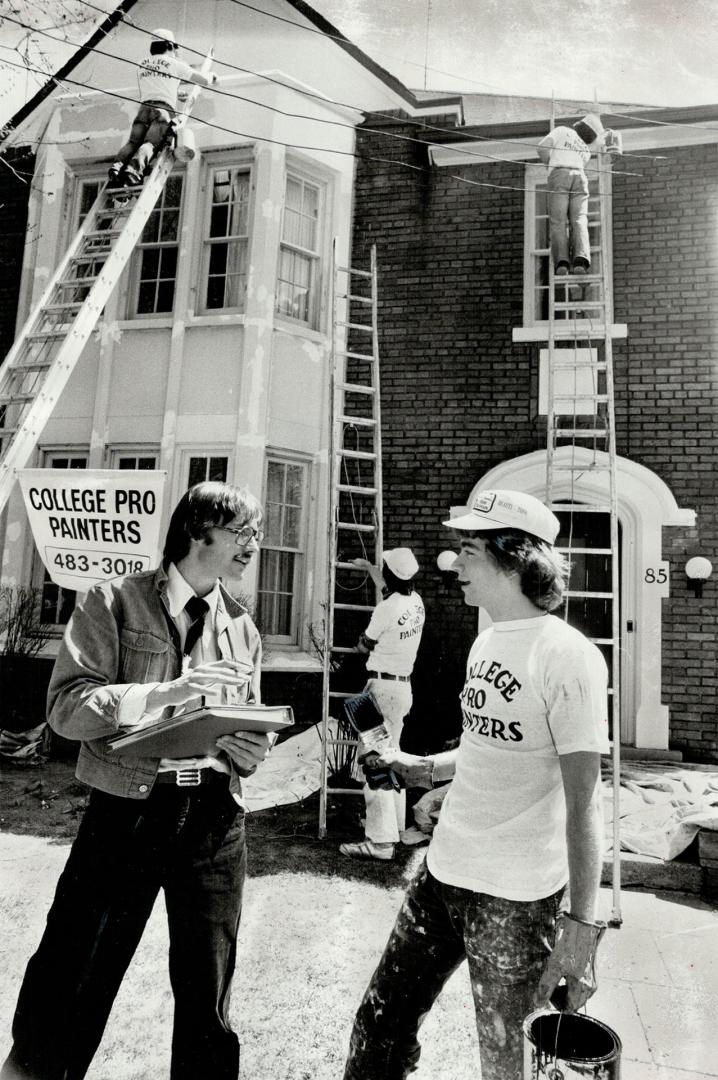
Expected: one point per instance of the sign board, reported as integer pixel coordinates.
(93, 524)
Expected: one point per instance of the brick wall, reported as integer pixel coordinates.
(16, 173)
(458, 397)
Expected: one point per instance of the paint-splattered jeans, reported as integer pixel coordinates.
(506, 943)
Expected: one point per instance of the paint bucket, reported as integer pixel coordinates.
(566, 1046)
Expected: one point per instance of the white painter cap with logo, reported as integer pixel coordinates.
(401, 562)
(160, 34)
(492, 510)
(592, 121)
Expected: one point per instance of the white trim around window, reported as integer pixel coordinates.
(302, 244)
(283, 555)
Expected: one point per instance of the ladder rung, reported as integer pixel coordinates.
(603, 641)
(355, 355)
(33, 365)
(349, 270)
(566, 330)
(584, 433)
(578, 305)
(357, 528)
(592, 467)
(353, 607)
(356, 299)
(585, 551)
(600, 398)
(582, 279)
(71, 305)
(46, 335)
(102, 234)
(357, 388)
(343, 694)
(77, 283)
(16, 399)
(355, 489)
(344, 790)
(357, 421)
(579, 365)
(343, 649)
(586, 595)
(359, 455)
(356, 326)
(583, 508)
(5, 431)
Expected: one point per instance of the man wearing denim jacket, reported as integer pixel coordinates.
(132, 654)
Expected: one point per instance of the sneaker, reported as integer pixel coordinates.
(579, 268)
(113, 176)
(367, 849)
(132, 179)
(561, 270)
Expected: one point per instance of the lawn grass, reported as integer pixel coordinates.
(313, 927)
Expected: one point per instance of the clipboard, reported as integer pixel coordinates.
(195, 733)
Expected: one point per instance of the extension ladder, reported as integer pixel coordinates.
(37, 368)
(355, 509)
(581, 441)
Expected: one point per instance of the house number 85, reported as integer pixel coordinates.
(656, 577)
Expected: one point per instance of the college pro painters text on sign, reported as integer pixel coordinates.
(94, 524)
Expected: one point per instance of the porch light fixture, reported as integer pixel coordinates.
(698, 570)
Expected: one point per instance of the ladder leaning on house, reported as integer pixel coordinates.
(581, 441)
(37, 368)
(355, 509)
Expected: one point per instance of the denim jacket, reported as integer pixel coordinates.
(119, 635)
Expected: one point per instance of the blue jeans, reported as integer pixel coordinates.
(568, 206)
(506, 943)
(188, 841)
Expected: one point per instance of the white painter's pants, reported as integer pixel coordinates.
(386, 810)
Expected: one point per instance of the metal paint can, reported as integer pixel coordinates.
(569, 1046)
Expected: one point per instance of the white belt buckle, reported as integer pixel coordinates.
(189, 777)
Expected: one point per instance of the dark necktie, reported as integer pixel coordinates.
(196, 608)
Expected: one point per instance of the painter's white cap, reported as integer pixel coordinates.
(401, 562)
(593, 121)
(160, 34)
(492, 510)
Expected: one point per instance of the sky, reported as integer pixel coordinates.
(650, 52)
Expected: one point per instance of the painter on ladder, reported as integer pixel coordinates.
(136, 649)
(566, 151)
(390, 643)
(159, 77)
(512, 873)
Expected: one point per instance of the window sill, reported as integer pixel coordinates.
(159, 322)
(279, 658)
(581, 328)
(221, 318)
(298, 329)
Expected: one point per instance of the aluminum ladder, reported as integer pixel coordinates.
(355, 508)
(44, 355)
(580, 354)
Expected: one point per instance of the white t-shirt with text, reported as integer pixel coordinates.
(568, 150)
(535, 689)
(396, 625)
(159, 78)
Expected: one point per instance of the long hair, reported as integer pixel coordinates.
(204, 505)
(543, 571)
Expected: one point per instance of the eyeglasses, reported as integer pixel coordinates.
(244, 535)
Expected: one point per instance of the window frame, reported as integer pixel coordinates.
(243, 163)
(293, 640)
(40, 576)
(136, 259)
(116, 453)
(318, 256)
(536, 176)
(208, 453)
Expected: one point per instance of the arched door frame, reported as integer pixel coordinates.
(645, 505)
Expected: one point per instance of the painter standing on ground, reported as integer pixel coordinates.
(159, 78)
(134, 650)
(567, 151)
(521, 819)
(390, 642)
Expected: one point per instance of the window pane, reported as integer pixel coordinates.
(218, 469)
(197, 471)
(207, 468)
(276, 582)
(165, 296)
(219, 221)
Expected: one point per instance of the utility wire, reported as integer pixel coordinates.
(302, 116)
(420, 123)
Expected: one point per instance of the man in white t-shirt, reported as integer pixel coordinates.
(566, 151)
(159, 77)
(521, 820)
(390, 642)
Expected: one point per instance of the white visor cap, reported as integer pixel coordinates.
(592, 121)
(160, 34)
(401, 562)
(492, 510)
